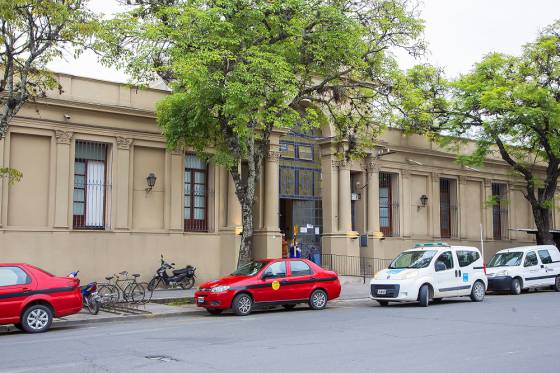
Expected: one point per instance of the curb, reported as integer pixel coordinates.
(62, 323)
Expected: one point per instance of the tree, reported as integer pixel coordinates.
(509, 106)
(32, 33)
(240, 68)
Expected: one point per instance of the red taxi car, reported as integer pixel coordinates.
(31, 297)
(267, 282)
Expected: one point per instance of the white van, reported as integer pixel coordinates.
(430, 272)
(519, 268)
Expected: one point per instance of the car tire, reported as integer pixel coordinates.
(242, 304)
(424, 295)
(214, 311)
(289, 306)
(478, 291)
(318, 300)
(383, 303)
(515, 286)
(37, 319)
(557, 284)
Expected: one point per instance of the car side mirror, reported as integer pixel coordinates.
(440, 266)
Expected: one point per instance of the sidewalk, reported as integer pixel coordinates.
(169, 303)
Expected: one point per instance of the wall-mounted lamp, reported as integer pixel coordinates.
(151, 181)
(423, 201)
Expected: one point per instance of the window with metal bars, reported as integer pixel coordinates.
(448, 208)
(196, 194)
(499, 211)
(388, 204)
(91, 186)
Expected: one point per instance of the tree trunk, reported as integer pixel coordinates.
(246, 246)
(543, 224)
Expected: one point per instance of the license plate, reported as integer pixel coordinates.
(381, 291)
(200, 300)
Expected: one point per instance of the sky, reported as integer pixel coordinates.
(458, 32)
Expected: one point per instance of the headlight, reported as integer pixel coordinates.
(410, 275)
(379, 275)
(220, 289)
(502, 273)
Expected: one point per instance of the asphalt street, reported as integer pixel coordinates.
(502, 334)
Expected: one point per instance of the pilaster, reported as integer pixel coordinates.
(406, 203)
(123, 166)
(62, 188)
(176, 222)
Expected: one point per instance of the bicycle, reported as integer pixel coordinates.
(126, 289)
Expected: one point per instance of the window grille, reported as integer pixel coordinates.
(500, 211)
(91, 186)
(196, 194)
(448, 208)
(388, 204)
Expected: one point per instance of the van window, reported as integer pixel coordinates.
(467, 257)
(545, 257)
(447, 259)
(531, 259)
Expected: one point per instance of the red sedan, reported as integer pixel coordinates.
(31, 297)
(284, 282)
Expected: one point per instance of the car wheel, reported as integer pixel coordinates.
(289, 306)
(318, 300)
(515, 286)
(557, 284)
(383, 303)
(214, 311)
(478, 292)
(242, 304)
(424, 296)
(37, 319)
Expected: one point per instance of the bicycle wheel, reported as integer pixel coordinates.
(108, 295)
(137, 294)
(127, 292)
(148, 294)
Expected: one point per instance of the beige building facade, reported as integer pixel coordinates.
(101, 193)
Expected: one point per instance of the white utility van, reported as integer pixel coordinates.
(519, 268)
(430, 272)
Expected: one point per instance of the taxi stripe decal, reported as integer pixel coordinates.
(284, 283)
(35, 292)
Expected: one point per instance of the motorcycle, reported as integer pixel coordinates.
(183, 277)
(89, 295)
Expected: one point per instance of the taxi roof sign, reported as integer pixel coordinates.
(432, 244)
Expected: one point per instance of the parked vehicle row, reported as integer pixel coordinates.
(31, 297)
(433, 271)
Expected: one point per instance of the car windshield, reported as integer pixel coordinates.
(413, 259)
(249, 269)
(506, 260)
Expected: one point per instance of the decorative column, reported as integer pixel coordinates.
(62, 188)
(435, 206)
(406, 203)
(122, 182)
(177, 186)
(272, 194)
(487, 218)
(462, 206)
(344, 197)
(233, 205)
